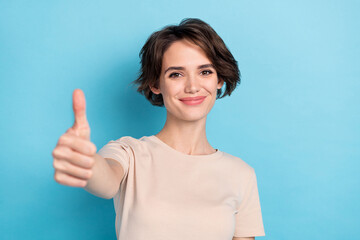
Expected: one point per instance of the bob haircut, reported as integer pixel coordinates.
(201, 34)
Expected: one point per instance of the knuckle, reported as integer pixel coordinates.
(70, 131)
(56, 164)
(91, 162)
(54, 153)
(66, 167)
(63, 139)
(61, 153)
(83, 183)
(89, 174)
(93, 149)
(58, 152)
(57, 177)
(86, 174)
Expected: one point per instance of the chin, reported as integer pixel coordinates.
(191, 116)
(188, 113)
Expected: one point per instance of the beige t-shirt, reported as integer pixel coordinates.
(168, 195)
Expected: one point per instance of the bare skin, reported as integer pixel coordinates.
(76, 162)
(74, 153)
(185, 126)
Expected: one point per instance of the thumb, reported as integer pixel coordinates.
(81, 125)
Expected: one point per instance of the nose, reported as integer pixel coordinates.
(192, 84)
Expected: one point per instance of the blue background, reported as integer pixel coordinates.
(294, 117)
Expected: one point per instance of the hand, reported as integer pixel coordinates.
(74, 154)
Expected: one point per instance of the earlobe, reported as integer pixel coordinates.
(155, 90)
(220, 83)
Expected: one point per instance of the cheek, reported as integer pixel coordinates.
(170, 93)
(173, 89)
(211, 86)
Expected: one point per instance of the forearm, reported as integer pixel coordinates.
(103, 182)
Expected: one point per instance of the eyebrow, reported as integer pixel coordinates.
(182, 68)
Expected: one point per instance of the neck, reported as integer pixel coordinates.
(188, 137)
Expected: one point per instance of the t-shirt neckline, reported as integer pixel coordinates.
(216, 154)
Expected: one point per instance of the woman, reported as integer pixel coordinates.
(172, 185)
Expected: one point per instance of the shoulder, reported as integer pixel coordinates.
(238, 163)
(129, 140)
(136, 144)
(239, 168)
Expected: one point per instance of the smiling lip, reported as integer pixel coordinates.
(193, 100)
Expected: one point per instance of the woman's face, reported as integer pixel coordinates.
(187, 72)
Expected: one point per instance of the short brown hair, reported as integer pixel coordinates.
(201, 34)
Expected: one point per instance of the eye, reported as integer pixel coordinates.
(206, 72)
(174, 75)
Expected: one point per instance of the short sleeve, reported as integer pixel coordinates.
(120, 151)
(249, 221)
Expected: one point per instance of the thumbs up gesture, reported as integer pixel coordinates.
(81, 126)
(74, 154)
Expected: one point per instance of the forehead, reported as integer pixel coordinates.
(184, 52)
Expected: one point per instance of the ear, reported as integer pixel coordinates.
(155, 90)
(220, 83)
